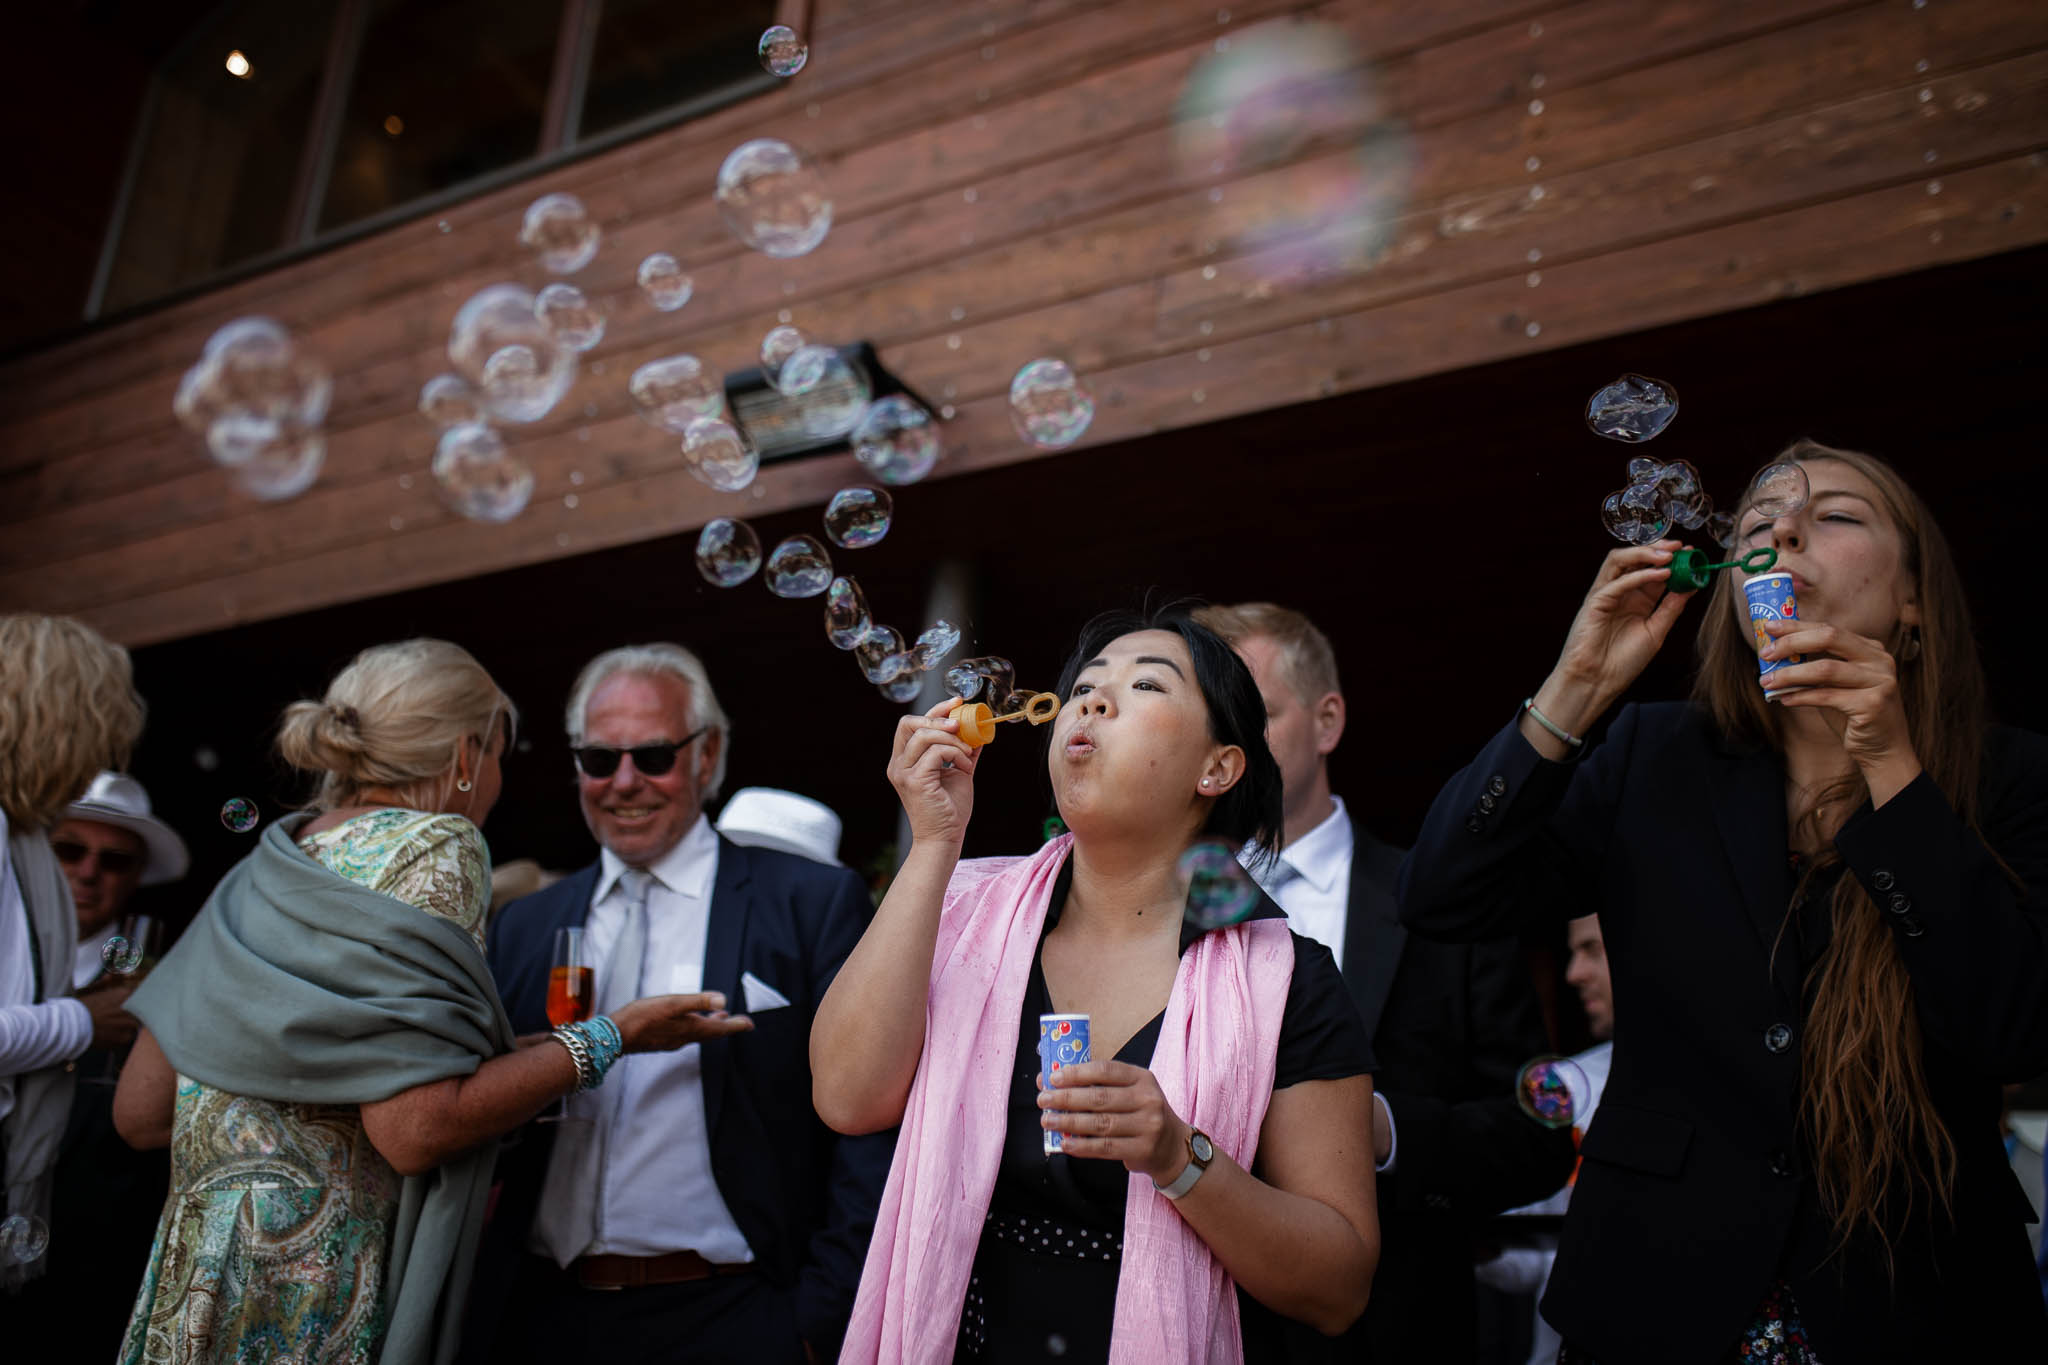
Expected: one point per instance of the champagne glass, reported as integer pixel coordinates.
(572, 994)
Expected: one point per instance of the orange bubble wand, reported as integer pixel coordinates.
(978, 724)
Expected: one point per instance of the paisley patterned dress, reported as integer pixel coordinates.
(272, 1245)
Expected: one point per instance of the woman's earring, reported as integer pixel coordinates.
(1206, 782)
(1910, 650)
(462, 784)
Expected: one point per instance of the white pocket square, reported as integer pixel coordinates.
(760, 995)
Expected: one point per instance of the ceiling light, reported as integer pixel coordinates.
(238, 65)
(393, 124)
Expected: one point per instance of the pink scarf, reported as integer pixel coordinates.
(1214, 1063)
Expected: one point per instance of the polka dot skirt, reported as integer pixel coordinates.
(1039, 1237)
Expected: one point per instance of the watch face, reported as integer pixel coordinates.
(1199, 1145)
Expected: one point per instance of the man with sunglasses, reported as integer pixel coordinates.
(694, 1208)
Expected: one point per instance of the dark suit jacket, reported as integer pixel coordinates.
(1695, 1193)
(804, 1196)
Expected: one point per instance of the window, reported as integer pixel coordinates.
(282, 128)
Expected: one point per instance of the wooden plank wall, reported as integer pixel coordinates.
(1004, 186)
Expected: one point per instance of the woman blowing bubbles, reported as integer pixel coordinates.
(1825, 919)
(1224, 1132)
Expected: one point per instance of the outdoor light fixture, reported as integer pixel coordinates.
(238, 65)
(774, 422)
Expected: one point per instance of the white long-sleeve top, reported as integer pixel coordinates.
(32, 1036)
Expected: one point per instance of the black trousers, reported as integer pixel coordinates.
(728, 1320)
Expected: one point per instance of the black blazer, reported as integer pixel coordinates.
(804, 1196)
(1695, 1193)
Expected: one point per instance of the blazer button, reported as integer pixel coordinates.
(1780, 1164)
(1777, 1038)
(1881, 879)
(1497, 784)
(1486, 802)
(1899, 904)
(1475, 824)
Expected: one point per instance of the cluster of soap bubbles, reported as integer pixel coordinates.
(1049, 405)
(1316, 173)
(1657, 496)
(1220, 891)
(1552, 1090)
(1632, 408)
(259, 399)
(988, 678)
(24, 1239)
(239, 814)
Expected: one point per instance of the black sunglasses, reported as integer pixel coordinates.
(113, 861)
(651, 760)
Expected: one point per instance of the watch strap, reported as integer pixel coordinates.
(1190, 1173)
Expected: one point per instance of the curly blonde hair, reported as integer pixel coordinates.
(68, 708)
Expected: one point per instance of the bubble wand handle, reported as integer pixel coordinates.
(977, 722)
(1690, 570)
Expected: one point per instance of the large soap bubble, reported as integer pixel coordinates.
(1220, 891)
(570, 316)
(665, 283)
(847, 619)
(24, 1239)
(897, 440)
(799, 567)
(1049, 405)
(904, 687)
(881, 655)
(518, 368)
(777, 347)
(1779, 490)
(1552, 1090)
(675, 391)
(561, 232)
(447, 400)
(773, 198)
(1632, 408)
(782, 52)
(728, 552)
(939, 639)
(857, 517)
(804, 367)
(479, 477)
(719, 455)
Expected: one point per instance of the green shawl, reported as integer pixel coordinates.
(298, 985)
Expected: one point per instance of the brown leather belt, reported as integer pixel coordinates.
(634, 1272)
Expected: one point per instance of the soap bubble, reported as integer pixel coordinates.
(120, 956)
(1220, 891)
(447, 401)
(773, 199)
(1643, 467)
(834, 405)
(847, 619)
(1055, 1345)
(478, 476)
(255, 393)
(1779, 491)
(857, 517)
(1680, 497)
(250, 1129)
(562, 232)
(968, 678)
(719, 455)
(896, 440)
(282, 468)
(23, 1239)
(939, 639)
(1721, 526)
(777, 347)
(1318, 173)
(675, 391)
(799, 567)
(570, 316)
(666, 284)
(1632, 408)
(903, 688)
(1016, 699)
(881, 655)
(515, 364)
(1548, 1089)
(1658, 496)
(1049, 406)
(782, 52)
(804, 368)
(239, 814)
(728, 552)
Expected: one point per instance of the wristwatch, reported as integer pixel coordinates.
(1200, 1153)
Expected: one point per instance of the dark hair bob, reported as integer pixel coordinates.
(1250, 812)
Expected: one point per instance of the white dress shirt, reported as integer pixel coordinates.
(32, 1036)
(657, 1193)
(1311, 881)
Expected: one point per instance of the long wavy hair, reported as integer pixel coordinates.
(1880, 1151)
(68, 708)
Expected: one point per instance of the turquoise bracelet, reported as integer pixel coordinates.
(594, 1046)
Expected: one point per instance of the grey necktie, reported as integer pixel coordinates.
(629, 955)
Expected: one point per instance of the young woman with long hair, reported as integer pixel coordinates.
(1826, 919)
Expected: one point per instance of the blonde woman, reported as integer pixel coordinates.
(325, 1053)
(68, 708)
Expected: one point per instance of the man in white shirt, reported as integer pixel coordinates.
(1451, 1025)
(693, 1207)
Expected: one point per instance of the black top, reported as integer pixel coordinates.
(1045, 1273)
